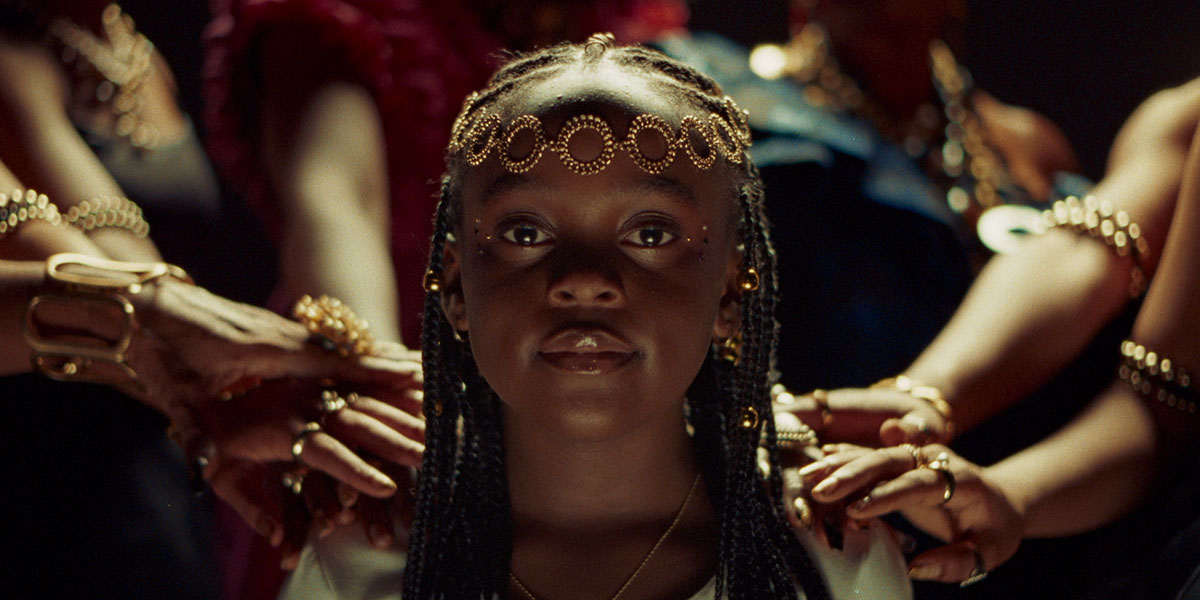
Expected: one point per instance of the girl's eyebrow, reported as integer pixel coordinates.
(506, 183)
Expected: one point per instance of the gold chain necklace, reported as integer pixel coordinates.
(972, 173)
(124, 60)
(629, 580)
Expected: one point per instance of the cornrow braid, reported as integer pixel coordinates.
(461, 541)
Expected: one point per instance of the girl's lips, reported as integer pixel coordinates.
(587, 363)
(591, 340)
(586, 350)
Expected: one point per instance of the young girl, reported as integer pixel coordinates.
(598, 345)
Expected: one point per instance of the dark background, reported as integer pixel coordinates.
(1084, 63)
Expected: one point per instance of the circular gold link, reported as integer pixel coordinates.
(575, 125)
(539, 144)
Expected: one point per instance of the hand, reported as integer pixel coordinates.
(192, 344)
(981, 524)
(870, 417)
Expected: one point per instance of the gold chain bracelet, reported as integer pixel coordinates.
(1155, 376)
(104, 211)
(23, 206)
(89, 282)
(1098, 219)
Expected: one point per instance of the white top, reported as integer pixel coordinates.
(345, 566)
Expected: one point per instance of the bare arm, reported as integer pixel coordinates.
(43, 148)
(323, 145)
(1030, 313)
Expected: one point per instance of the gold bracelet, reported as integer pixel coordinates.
(1155, 376)
(81, 280)
(104, 211)
(334, 326)
(928, 393)
(1097, 218)
(25, 206)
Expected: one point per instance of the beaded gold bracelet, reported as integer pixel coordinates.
(23, 206)
(105, 211)
(1155, 376)
(1098, 219)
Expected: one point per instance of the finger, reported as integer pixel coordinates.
(953, 563)
(406, 423)
(865, 471)
(347, 498)
(914, 488)
(323, 452)
(376, 522)
(364, 431)
(297, 521)
(836, 456)
(321, 499)
(799, 513)
(241, 486)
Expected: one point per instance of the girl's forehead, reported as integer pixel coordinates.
(614, 92)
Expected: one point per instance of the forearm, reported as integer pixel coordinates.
(1089, 473)
(1026, 317)
(325, 155)
(19, 281)
(1030, 313)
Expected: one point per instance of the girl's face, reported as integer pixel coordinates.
(591, 300)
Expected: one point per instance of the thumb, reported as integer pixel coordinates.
(909, 429)
(961, 562)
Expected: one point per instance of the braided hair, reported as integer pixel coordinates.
(461, 540)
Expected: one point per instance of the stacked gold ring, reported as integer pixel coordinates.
(333, 325)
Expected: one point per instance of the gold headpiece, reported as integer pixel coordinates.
(478, 133)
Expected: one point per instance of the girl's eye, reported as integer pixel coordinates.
(649, 236)
(525, 235)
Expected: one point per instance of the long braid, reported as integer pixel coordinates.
(462, 535)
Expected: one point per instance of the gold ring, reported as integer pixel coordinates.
(979, 572)
(915, 453)
(293, 478)
(941, 464)
(298, 445)
(330, 403)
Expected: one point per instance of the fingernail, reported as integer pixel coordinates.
(289, 562)
(266, 527)
(826, 486)
(829, 448)
(385, 481)
(323, 525)
(861, 504)
(380, 536)
(811, 468)
(803, 512)
(924, 571)
(347, 496)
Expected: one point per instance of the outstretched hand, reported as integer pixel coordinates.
(867, 416)
(938, 491)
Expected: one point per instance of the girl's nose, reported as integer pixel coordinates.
(586, 288)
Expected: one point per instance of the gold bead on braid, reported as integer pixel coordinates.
(18, 207)
(1155, 376)
(105, 211)
(1097, 219)
(477, 134)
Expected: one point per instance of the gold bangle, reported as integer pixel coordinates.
(77, 280)
(928, 393)
(24, 206)
(1155, 376)
(1098, 219)
(105, 211)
